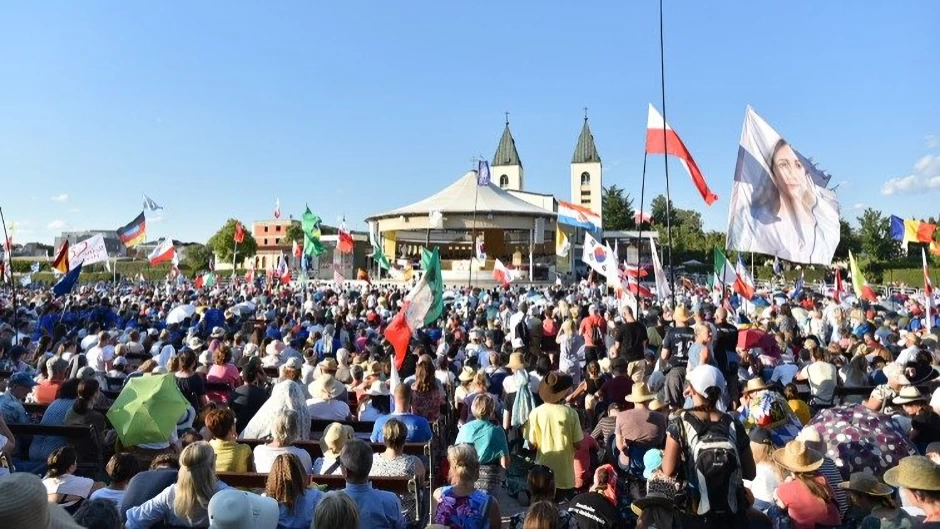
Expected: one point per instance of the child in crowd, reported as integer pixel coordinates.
(121, 468)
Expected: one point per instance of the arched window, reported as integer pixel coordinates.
(503, 181)
(585, 179)
(264, 263)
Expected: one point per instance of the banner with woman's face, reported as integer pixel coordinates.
(779, 201)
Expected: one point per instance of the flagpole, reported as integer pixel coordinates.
(234, 254)
(639, 245)
(662, 78)
(473, 233)
(8, 256)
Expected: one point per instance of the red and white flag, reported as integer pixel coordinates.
(277, 208)
(837, 292)
(743, 284)
(163, 252)
(928, 292)
(239, 232)
(338, 276)
(295, 249)
(502, 274)
(250, 274)
(283, 272)
(632, 286)
(669, 143)
(410, 318)
(345, 242)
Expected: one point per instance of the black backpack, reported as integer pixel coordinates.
(522, 332)
(713, 463)
(597, 336)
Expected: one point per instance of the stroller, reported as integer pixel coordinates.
(521, 461)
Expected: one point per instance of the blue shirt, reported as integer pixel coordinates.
(419, 429)
(302, 515)
(488, 439)
(378, 509)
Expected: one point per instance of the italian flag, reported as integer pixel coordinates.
(859, 284)
(422, 306)
(724, 273)
(744, 283)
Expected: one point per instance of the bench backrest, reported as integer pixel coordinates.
(313, 447)
(320, 425)
(255, 480)
(75, 435)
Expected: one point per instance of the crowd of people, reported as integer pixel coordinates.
(592, 410)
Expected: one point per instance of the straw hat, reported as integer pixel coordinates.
(866, 484)
(374, 369)
(194, 343)
(680, 314)
(755, 384)
(23, 503)
(915, 472)
(655, 405)
(334, 439)
(909, 394)
(326, 387)
(516, 361)
(640, 393)
(466, 374)
(377, 389)
(797, 458)
(328, 365)
(236, 509)
(554, 387)
(217, 332)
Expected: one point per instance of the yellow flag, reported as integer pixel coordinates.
(562, 246)
(910, 231)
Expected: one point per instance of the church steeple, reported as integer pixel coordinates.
(585, 151)
(506, 165)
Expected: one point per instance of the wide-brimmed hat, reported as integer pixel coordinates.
(328, 364)
(293, 363)
(274, 348)
(237, 509)
(217, 332)
(554, 387)
(516, 361)
(377, 389)
(754, 384)
(796, 457)
(680, 314)
(334, 439)
(640, 393)
(866, 484)
(466, 374)
(914, 472)
(326, 387)
(194, 343)
(909, 394)
(374, 369)
(655, 405)
(23, 503)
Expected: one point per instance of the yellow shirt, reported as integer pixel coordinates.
(231, 456)
(553, 429)
(801, 410)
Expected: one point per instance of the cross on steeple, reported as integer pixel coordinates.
(585, 113)
(507, 119)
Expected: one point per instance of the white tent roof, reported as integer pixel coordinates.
(459, 198)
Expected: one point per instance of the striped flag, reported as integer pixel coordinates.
(661, 139)
(928, 291)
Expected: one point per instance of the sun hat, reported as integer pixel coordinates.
(908, 395)
(377, 389)
(22, 379)
(554, 387)
(655, 405)
(23, 503)
(334, 439)
(326, 387)
(914, 472)
(328, 364)
(659, 493)
(754, 384)
(217, 332)
(274, 348)
(640, 393)
(293, 363)
(119, 361)
(795, 456)
(466, 374)
(374, 369)
(194, 343)
(866, 484)
(85, 373)
(516, 361)
(652, 461)
(237, 509)
(680, 314)
(703, 377)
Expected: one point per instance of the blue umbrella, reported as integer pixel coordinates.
(760, 302)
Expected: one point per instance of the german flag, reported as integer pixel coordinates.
(134, 232)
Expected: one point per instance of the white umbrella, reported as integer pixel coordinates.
(178, 314)
(245, 307)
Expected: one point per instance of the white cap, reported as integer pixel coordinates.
(235, 509)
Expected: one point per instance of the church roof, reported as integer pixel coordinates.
(459, 197)
(506, 153)
(586, 151)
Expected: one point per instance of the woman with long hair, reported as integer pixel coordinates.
(186, 502)
(62, 485)
(767, 479)
(541, 489)
(428, 395)
(83, 413)
(805, 495)
(287, 483)
(189, 382)
(460, 505)
(542, 515)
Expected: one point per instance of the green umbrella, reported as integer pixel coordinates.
(147, 410)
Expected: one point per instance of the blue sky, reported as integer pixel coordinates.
(216, 108)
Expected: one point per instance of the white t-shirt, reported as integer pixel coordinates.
(69, 485)
(98, 357)
(328, 410)
(822, 378)
(166, 353)
(89, 341)
(114, 496)
(265, 456)
(765, 482)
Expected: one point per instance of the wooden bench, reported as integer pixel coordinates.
(313, 447)
(77, 436)
(38, 410)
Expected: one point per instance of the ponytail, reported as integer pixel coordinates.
(711, 397)
(87, 389)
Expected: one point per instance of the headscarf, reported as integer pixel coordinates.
(286, 395)
(606, 488)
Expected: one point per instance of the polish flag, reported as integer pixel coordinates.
(345, 242)
(671, 144)
(163, 252)
(410, 318)
(502, 274)
(277, 208)
(295, 249)
(743, 284)
(634, 271)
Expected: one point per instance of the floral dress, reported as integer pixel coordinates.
(403, 465)
(468, 512)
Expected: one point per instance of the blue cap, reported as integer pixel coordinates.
(652, 461)
(22, 379)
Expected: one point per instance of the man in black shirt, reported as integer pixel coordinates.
(675, 353)
(250, 396)
(630, 339)
(725, 352)
(594, 511)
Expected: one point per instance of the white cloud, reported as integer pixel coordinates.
(928, 165)
(932, 141)
(900, 185)
(62, 197)
(56, 225)
(858, 205)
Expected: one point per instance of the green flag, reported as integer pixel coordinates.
(431, 263)
(310, 224)
(379, 257)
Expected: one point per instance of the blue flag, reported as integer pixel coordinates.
(897, 228)
(798, 289)
(67, 283)
(778, 268)
(483, 173)
(150, 204)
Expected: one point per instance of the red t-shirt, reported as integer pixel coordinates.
(587, 328)
(582, 461)
(46, 391)
(807, 510)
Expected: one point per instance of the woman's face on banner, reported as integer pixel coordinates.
(789, 172)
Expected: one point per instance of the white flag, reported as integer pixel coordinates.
(599, 257)
(436, 220)
(662, 285)
(89, 251)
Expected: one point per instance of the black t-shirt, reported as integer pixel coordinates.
(246, 403)
(925, 427)
(725, 345)
(594, 511)
(678, 340)
(631, 336)
(192, 388)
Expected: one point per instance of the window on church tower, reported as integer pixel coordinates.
(585, 178)
(503, 181)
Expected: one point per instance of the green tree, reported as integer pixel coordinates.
(223, 243)
(874, 235)
(658, 211)
(848, 240)
(294, 233)
(197, 257)
(617, 209)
